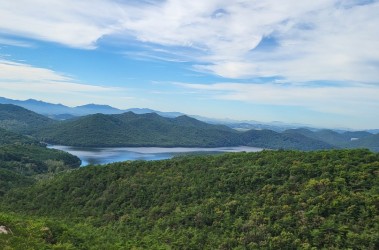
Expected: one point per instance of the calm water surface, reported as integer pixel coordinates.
(109, 155)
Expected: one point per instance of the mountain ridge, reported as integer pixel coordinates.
(62, 112)
(151, 129)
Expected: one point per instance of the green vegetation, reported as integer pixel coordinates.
(133, 130)
(266, 200)
(130, 129)
(30, 232)
(371, 142)
(18, 119)
(22, 158)
(357, 139)
(32, 159)
(8, 137)
(271, 139)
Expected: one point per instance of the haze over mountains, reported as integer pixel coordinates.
(62, 112)
(56, 110)
(151, 129)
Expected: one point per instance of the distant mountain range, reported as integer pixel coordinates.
(151, 129)
(130, 129)
(62, 112)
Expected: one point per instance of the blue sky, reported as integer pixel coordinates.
(310, 62)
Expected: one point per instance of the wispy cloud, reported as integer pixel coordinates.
(73, 23)
(23, 80)
(320, 40)
(313, 40)
(14, 42)
(353, 100)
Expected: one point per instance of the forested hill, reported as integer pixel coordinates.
(131, 129)
(8, 137)
(348, 139)
(18, 119)
(371, 142)
(22, 158)
(274, 140)
(330, 136)
(266, 200)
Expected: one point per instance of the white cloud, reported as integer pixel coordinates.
(18, 80)
(73, 23)
(13, 71)
(318, 40)
(315, 40)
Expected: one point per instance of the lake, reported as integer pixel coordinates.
(109, 155)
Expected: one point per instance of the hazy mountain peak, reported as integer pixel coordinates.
(93, 105)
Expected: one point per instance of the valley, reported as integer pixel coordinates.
(181, 183)
(189, 125)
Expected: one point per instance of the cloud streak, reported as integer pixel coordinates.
(74, 23)
(23, 80)
(354, 100)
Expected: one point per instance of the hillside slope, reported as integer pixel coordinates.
(8, 137)
(348, 139)
(274, 140)
(22, 158)
(371, 142)
(18, 119)
(130, 129)
(265, 200)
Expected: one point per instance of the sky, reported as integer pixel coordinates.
(308, 62)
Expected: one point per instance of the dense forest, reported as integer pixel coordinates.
(265, 200)
(280, 199)
(18, 119)
(23, 158)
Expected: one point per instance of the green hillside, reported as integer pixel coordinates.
(8, 137)
(371, 142)
(265, 200)
(325, 135)
(348, 139)
(131, 129)
(274, 140)
(18, 119)
(22, 158)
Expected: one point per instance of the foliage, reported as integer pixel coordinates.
(348, 139)
(22, 157)
(30, 232)
(8, 137)
(150, 129)
(130, 129)
(266, 200)
(18, 119)
(274, 140)
(371, 142)
(32, 159)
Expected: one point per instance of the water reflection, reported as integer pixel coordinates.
(109, 155)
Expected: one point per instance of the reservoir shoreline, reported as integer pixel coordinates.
(105, 155)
